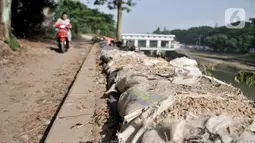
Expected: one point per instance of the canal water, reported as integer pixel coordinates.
(228, 75)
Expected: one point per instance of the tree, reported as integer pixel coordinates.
(252, 20)
(233, 43)
(120, 5)
(218, 37)
(157, 31)
(190, 36)
(212, 41)
(84, 19)
(27, 16)
(5, 19)
(217, 41)
(245, 42)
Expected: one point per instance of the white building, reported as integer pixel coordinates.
(163, 42)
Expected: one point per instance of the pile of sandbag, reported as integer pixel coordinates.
(173, 102)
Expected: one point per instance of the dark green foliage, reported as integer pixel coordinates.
(84, 19)
(120, 5)
(190, 36)
(113, 4)
(246, 76)
(12, 42)
(205, 69)
(27, 16)
(217, 38)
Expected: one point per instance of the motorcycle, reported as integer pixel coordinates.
(62, 37)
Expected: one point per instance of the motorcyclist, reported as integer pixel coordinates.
(64, 20)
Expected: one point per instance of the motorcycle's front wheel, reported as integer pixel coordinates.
(62, 46)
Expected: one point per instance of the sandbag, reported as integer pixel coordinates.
(190, 110)
(183, 61)
(174, 102)
(135, 99)
(202, 128)
(121, 62)
(129, 81)
(145, 93)
(174, 120)
(186, 71)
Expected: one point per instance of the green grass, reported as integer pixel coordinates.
(13, 42)
(246, 76)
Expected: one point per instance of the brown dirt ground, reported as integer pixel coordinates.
(33, 81)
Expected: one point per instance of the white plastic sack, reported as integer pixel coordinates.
(180, 62)
(186, 71)
(187, 75)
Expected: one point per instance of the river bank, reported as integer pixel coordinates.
(225, 67)
(236, 61)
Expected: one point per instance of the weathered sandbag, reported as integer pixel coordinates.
(201, 101)
(133, 74)
(113, 54)
(111, 78)
(129, 81)
(186, 75)
(176, 120)
(186, 71)
(225, 129)
(128, 76)
(116, 54)
(185, 106)
(146, 70)
(135, 99)
(183, 61)
(122, 62)
(144, 94)
(151, 61)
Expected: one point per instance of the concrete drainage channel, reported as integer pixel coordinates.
(70, 114)
(84, 115)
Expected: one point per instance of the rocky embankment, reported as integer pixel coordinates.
(162, 101)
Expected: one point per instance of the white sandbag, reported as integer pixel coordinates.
(149, 61)
(183, 61)
(187, 75)
(186, 71)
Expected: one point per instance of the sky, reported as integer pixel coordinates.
(147, 15)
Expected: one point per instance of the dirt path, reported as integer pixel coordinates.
(32, 86)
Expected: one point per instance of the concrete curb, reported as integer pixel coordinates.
(74, 121)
